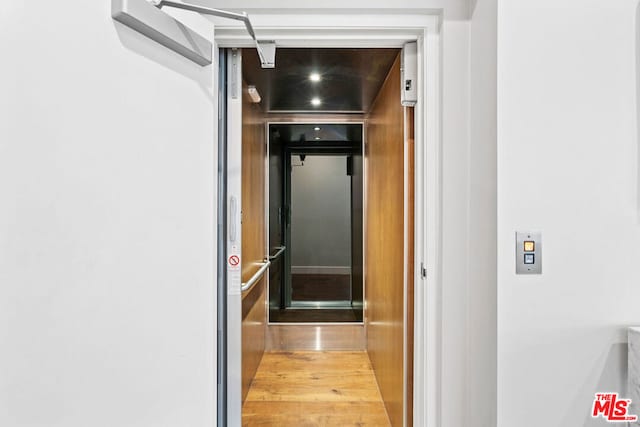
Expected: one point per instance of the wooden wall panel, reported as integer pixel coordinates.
(409, 256)
(254, 323)
(385, 245)
(254, 152)
(254, 316)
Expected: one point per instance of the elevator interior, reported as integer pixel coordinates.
(315, 102)
(327, 200)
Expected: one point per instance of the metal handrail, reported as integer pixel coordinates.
(280, 249)
(257, 276)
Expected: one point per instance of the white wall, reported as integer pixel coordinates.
(321, 213)
(567, 166)
(468, 394)
(455, 181)
(481, 394)
(107, 224)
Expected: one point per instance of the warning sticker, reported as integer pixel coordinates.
(234, 261)
(233, 267)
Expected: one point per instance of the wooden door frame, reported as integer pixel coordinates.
(336, 28)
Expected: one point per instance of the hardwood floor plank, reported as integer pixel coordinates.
(314, 414)
(328, 361)
(314, 388)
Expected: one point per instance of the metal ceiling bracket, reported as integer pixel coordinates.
(141, 16)
(145, 17)
(267, 53)
(266, 48)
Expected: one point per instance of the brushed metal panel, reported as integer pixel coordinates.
(536, 254)
(323, 337)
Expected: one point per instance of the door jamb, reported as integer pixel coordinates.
(335, 28)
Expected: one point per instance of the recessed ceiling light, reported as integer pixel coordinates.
(316, 128)
(317, 137)
(314, 77)
(316, 101)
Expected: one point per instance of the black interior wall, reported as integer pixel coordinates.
(357, 215)
(276, 224)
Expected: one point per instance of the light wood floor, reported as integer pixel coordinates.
(314, 388)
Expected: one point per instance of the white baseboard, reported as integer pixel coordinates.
(320, 269)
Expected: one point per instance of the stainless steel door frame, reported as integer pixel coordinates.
(233, 238)
(222, 242)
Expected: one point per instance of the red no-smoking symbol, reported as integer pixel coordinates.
(234, 260)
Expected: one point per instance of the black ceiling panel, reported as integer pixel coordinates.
(349, 78)
(305, 132)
